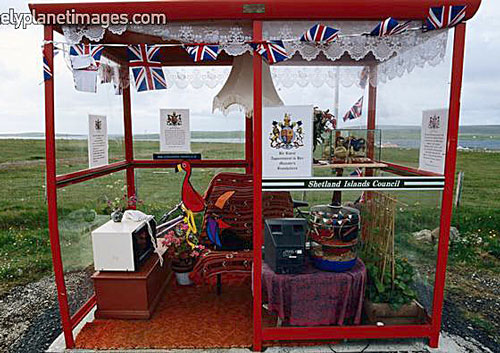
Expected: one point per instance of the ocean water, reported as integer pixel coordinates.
(473, 144)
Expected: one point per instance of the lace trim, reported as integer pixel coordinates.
(399, 54)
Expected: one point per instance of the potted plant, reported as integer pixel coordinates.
(118, 205)
(183, 249)
(391, 299)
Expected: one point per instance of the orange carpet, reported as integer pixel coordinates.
(186, 317)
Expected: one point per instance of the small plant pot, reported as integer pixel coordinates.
(408, 314)
(183, 278)
(117, 216)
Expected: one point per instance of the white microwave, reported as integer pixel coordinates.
(123, 246)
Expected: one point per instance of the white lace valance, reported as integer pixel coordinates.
(283, 76)
(397, 55)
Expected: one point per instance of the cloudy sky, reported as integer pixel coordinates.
(401, 101)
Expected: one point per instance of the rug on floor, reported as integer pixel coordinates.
(186, 317)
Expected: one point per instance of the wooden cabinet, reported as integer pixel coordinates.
(131, 295)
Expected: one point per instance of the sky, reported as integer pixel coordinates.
(400, 101)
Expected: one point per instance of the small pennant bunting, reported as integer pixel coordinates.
(355, 111)
(320, 34)
(202, 52)
(389, 27)
(273, 51)
(94, 50)
(144, 61)
(47, 70)
(444, 16)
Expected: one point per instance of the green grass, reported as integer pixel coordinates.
(24, 245)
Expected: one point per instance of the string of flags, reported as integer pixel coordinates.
(145, 62)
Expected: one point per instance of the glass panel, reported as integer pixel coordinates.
(82, 208)
(213, 135)
(393, 235)
(159, 190)
(71, 119)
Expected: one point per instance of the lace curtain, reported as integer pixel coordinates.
(398, 54)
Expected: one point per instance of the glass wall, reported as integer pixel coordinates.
(213, 135)
(82, 208)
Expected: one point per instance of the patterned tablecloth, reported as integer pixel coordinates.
(316, 297)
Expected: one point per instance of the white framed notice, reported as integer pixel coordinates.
(98, 141)
(287, 141)
(175, 135)
(433, 140)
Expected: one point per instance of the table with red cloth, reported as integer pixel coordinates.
(315, 297)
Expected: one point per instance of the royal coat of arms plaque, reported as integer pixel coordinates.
(287, 141)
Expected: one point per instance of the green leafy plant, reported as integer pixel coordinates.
(383, 289)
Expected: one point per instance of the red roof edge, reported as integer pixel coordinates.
(185, 10)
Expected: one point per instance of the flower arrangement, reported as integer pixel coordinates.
(324, 121)
(178, 245)
(118, 204)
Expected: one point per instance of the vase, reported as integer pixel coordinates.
(117, 216)
(182, 268)
(183, 278)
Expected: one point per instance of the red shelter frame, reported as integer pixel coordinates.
(177, 10)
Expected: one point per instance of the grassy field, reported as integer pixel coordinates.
(24, 246)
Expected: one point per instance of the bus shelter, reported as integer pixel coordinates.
(281, 34)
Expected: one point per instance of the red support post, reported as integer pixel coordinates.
(50, 156)
(449, 173)
(372, 112)
(128, 139)
(248, 143)
(257, 192)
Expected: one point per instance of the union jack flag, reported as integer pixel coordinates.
(146, 67)
(389, 27)
(357, 172)
(202, 52)
(355, 111)
(273, 51)
(444, 16)
(320, 34)
(47, 70)
(94, 50)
